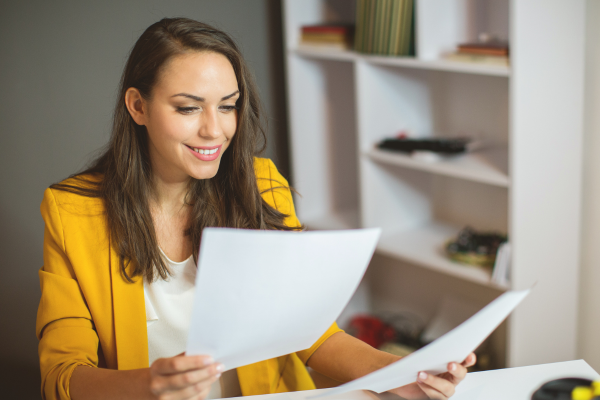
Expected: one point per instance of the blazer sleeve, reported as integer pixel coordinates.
(64, 324)
(282, 201)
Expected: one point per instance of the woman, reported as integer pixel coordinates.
(121, 238)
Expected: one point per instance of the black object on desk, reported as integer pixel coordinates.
(559, 389)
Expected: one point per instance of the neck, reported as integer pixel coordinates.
(169, 188)
(169, 195)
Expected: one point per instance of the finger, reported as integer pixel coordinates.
(200, 390)
(430, 392)
(470, 360)
(438, 384)
(457, 371)
(202, 395)
(164, 383)
(178, 364)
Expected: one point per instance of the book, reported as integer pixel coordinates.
(360, 26)
(385, 27)
(395, 24)
(331, 29)
(323, 37)
(330, 36)
(377, 26)
(487, 48)
(478, 59)
(371, 25)
(321, 46)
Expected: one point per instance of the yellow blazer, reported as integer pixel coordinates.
(89, 315)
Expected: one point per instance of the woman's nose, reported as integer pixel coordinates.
(211, 126)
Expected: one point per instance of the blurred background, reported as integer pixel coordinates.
(61, 61)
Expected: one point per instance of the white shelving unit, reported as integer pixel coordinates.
(528, 183)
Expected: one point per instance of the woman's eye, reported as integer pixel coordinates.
(187, 110)
(228, 108)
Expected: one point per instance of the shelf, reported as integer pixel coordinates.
(405, 62)
(488, 166)
(423, 246)
(346, 219)
(441, 65)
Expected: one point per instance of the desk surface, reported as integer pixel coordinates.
(518, 383)
(503, 384)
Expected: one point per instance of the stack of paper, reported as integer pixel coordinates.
(263, 294)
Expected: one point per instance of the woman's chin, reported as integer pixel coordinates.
(205, 172)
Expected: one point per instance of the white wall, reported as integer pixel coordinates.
(589, 316)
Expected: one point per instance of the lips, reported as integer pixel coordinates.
(205, 153)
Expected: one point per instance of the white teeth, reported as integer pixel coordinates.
(201, 151)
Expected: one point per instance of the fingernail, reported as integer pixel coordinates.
(452, 367)
(422, 376)
(218, 375)
(208, 360)
(220, 368)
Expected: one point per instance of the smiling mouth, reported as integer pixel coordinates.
(204, 151)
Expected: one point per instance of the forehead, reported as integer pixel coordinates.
(201, 73)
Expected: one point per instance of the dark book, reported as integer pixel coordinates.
(330, 29)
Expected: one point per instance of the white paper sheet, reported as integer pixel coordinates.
(264, 294)
(454, 346)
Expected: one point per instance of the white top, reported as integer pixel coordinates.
(168, 313)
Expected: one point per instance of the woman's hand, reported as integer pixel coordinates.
(439, 387)
(183, 377)
(345, 358)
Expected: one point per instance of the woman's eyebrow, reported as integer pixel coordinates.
(230, 95)
(189, 96)
(196, 98)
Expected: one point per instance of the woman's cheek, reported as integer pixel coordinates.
(231, 128)
(182, 128)
(165, 130)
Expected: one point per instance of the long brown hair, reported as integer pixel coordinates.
(122, 176)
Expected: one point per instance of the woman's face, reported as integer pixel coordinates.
(191, 116)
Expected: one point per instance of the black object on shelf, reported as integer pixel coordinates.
(475, 248)
(435, 145)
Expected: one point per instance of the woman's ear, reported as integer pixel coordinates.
(136, 106)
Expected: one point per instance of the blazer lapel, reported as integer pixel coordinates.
(130, 318)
